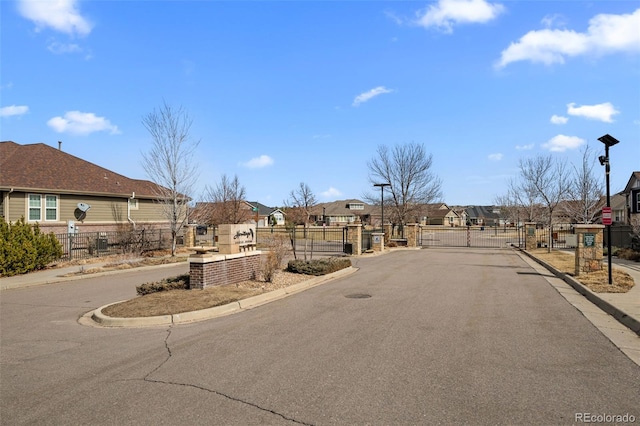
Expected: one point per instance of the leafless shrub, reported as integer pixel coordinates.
(277, 249)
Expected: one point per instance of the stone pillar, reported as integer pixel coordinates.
(589, 248)
(354, 236)
(530, 242)
(189, 235)
(387, 232)
(411, 232)
(377, 241)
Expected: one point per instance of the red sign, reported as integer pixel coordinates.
(606, 216)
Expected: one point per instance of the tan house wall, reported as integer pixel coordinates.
(105, 214)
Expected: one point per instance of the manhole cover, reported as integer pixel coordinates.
(358, 296)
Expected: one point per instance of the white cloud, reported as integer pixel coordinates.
(62, 48)
(561, 143)
(447, 13)
(558, 119)
(366, 96)
(495, 157)
(554, 20)
(12, 110)
(601, 112)
(606, 34)
(331, 193)
(60, 15)
(258, 162)
(525, 147)
(81, 123)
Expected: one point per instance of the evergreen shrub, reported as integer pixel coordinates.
(318, 266)
(24, 248)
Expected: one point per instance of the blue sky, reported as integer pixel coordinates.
(305, 91)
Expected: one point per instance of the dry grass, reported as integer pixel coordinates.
(598, 282)
(120, 262)
(177, 301)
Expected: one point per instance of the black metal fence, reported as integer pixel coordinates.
(83, 245)
(316, 239)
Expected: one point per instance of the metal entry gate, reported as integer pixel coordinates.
(471, 236)
(317, 239)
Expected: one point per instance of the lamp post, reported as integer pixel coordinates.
(608, 141)
(382, 185)
(324, 223)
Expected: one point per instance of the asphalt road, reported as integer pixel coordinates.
(446, 337)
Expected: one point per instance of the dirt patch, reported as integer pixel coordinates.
(598, 282)
(178, 301)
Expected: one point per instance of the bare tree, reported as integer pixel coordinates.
(301, 203)
(413, 184)
(169, 164)
(524, 198)
(586, 190)
(227, 202)
(549, 181)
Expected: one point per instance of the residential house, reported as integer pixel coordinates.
(632, 195)
(441, 214)
(207, 213)
(216, 213)
(484, 215)
(619, 208)
(65, 193)
(267, 216)
(342, 212)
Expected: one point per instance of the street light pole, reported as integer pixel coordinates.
(382, 185)
(608, 141)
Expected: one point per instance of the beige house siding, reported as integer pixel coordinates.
(105, 213)
(147, 211)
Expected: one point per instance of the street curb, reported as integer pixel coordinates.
(101, 319)
(621, 316)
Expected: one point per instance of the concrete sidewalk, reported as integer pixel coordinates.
(56, 275)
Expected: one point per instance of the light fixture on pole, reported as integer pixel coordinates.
(608, 141)
(382, 185)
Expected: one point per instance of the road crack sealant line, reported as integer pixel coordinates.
(215, 392)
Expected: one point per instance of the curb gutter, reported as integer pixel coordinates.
(98, 318)
(621, 316)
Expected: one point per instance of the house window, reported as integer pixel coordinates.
(637, 202)
(51, 207)
(356, 206)
(133, 204)
(36, 207)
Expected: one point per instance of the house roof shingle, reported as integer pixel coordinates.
(41, 167)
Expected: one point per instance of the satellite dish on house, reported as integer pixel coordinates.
(80, 212)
